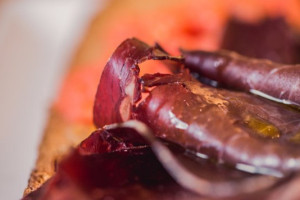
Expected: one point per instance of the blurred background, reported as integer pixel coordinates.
(37, 41)
(41, 39)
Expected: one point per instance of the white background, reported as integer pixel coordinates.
(37, 40)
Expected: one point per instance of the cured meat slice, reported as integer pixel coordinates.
(232, 127)
(119, 87)
(197, 126)
(279, 82)
(118, 162)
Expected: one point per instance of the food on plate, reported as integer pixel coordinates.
(174, 24)
(212, 121)
(125, 161)
(244, 137)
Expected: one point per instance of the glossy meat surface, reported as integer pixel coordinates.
(280, 82)
(229, 126)
(119, 87)
(114, 163)
(121, 163)
(215, 143)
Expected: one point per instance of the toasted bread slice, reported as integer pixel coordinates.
(188, 24)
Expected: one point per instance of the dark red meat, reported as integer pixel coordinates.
(131, 170)
(231, 127)
(116, 163)
(205, 135)
(271, 39)
(119, 87)
(279, 82)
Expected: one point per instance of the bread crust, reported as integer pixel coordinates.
(58, 139)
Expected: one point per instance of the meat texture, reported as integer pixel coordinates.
(232, 127)
(279, 82)
(124, 161)
(209, 143)
(119, 87)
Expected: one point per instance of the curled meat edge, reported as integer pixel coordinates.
(257, 76)
(188, 179)
(122, 70)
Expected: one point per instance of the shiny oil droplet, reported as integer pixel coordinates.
(262, 128)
